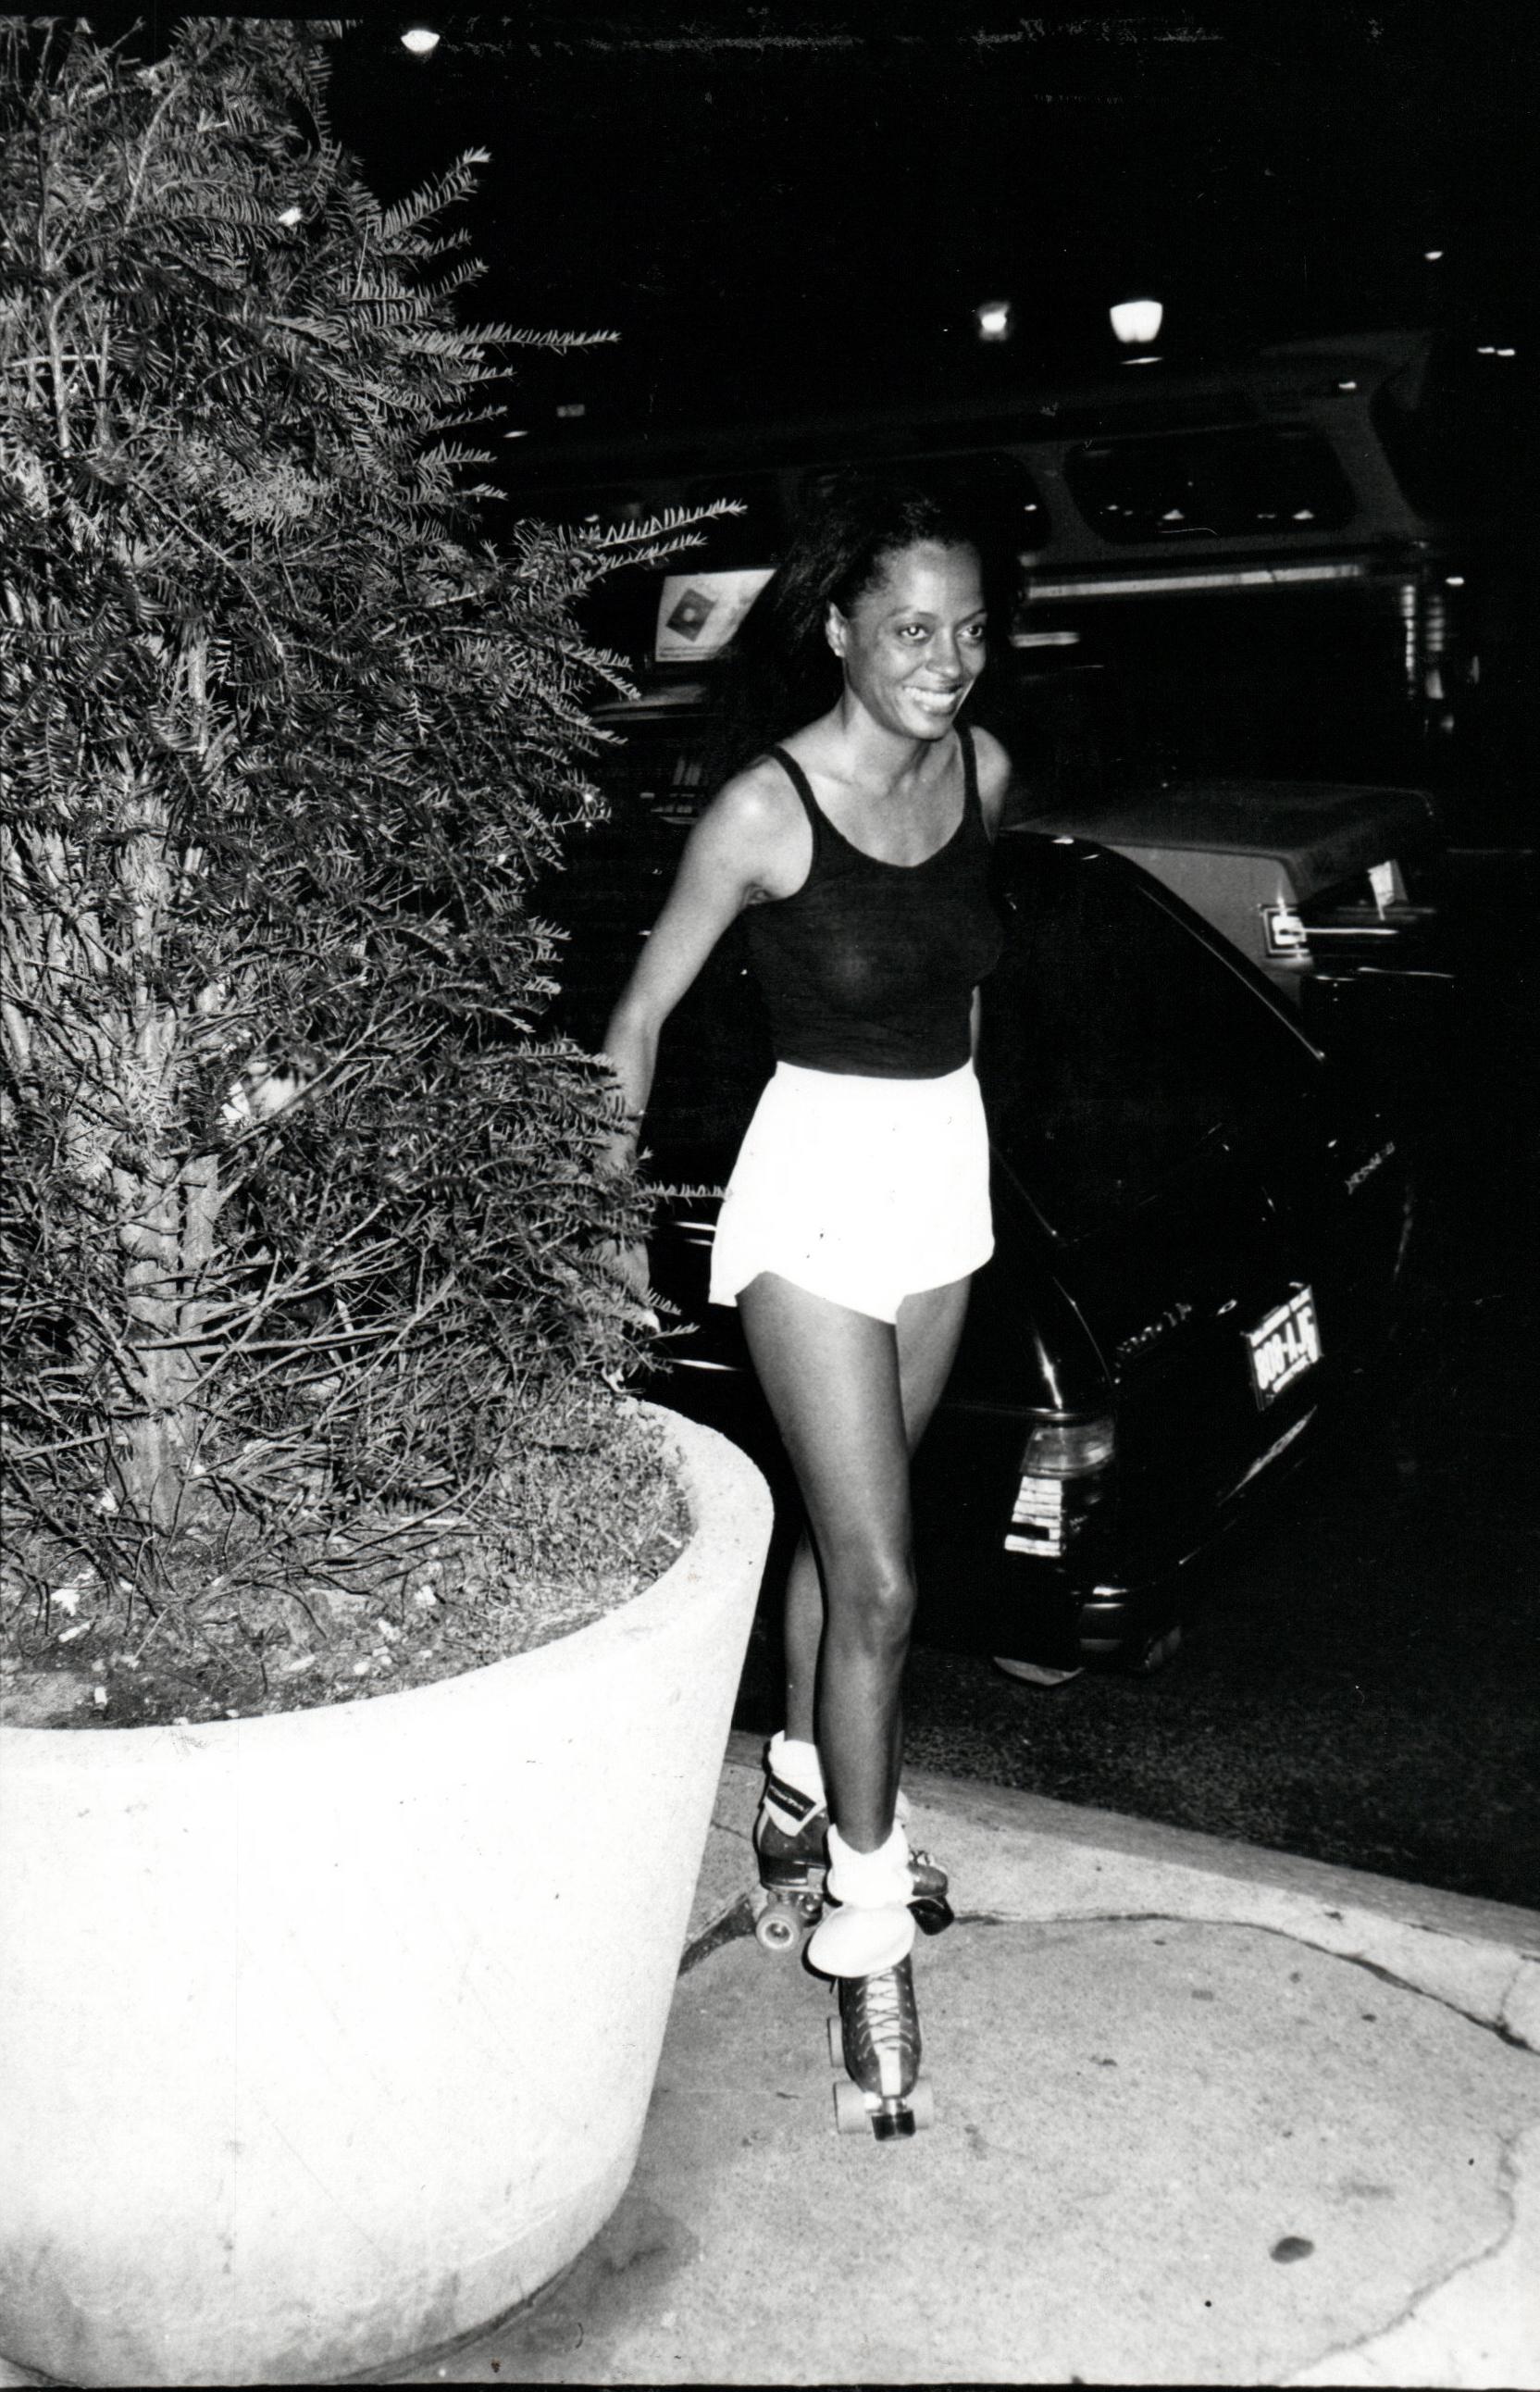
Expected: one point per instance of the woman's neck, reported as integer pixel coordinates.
(884, 762)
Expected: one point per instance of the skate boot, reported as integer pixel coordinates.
(876, 2038)
(789, 1837)
(928, 1897)
(864, 1939)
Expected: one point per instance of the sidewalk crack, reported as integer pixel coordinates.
(737, 1919)
(1510, 2171)
(1497, 2026)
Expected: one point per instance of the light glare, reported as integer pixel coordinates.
(421, 40)
(1138, 319)
(994, 318)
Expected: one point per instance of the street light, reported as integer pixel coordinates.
(995, 319)
(1137, 320)
(421, 39)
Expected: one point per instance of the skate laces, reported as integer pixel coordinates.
(883, 2012)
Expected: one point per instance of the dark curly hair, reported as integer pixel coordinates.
(783, 671)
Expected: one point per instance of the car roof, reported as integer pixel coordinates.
(1322, 831)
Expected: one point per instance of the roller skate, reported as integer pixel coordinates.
(876, 2038)
(789, 1837)
(864, 1940)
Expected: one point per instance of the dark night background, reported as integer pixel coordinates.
(778, 207)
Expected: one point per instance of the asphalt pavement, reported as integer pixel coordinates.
(1204, 2114)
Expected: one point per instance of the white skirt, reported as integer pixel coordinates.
(859, 1190)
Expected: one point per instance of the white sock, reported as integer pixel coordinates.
(792, 1758)
(797, 1761)
(870, 1880)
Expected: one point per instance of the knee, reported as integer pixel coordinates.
(874, 1599)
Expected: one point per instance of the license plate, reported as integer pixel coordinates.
(1283, 1347)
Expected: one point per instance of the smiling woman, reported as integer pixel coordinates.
(859, 1207)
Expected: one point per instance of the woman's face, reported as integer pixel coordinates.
(913, 644)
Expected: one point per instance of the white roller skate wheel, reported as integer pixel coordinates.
(774, 1932)
(837, 2040)
(921, 2102)
(851, 2114)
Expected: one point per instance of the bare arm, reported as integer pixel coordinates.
(745, 846)
(995, 779)
(994, 776)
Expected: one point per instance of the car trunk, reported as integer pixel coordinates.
(1195, 1417)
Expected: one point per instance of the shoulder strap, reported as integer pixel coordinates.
(817, 821)
(799, 782)
(970, 770)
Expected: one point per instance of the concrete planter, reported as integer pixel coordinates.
(327, 2037)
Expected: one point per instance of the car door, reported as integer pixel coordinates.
(1139, 1081)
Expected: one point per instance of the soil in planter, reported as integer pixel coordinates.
(231, 1636)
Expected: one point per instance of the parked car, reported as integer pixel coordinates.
(1332, 889)
(1200, 1226)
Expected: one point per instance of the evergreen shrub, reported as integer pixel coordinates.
(308, 1309)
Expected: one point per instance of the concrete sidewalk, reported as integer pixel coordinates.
(1204, 2115)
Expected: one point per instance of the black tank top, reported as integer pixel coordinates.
(870, 967)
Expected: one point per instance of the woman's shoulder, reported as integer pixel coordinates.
(761, 798)
(758, 819)
(992, 765)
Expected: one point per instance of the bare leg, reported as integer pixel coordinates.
(804, 1635)
(852, 1396)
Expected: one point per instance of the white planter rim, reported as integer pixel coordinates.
(708, 1466)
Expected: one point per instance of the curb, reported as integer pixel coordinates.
(1026, 1858)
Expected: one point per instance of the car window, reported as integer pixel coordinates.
(1306, 683)
(1213, 485)
(1116, 1044)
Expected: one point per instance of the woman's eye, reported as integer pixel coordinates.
(913, 631)
(976, 632)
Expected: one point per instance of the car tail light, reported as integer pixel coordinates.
(1062, 1446)
(1066, 1472)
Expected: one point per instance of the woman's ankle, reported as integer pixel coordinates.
(871, 1875)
